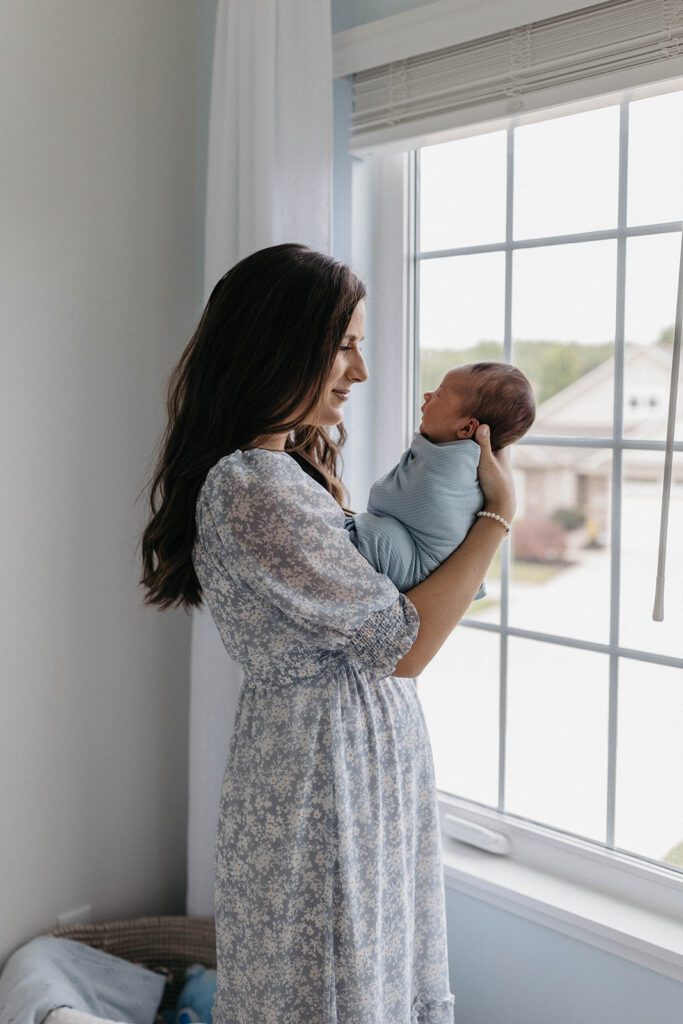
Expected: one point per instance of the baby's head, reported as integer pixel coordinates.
(494, 393)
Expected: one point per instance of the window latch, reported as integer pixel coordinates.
(476, 835)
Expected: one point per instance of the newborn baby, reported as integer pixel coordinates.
(422, 510)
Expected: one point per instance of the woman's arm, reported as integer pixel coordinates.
(443, 597)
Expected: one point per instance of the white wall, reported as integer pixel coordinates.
(102, 133)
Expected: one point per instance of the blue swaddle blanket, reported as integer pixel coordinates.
(49, 972)
(420, 511)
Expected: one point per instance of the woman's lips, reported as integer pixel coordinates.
(341, 394)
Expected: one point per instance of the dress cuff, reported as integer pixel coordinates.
(385, 636)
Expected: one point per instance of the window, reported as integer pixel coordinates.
(555, 245)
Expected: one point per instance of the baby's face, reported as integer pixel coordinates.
(443, 411)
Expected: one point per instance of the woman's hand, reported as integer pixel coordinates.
(495, 476)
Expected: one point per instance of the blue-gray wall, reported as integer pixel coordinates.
(350, 13)
(505, 969)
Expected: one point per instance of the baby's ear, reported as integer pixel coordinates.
(469, 429)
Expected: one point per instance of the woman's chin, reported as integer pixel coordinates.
(332, 418)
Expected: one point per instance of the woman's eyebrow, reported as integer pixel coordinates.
(354, 337)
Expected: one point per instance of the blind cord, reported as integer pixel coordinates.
(658, 610)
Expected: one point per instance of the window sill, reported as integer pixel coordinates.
(647, 937)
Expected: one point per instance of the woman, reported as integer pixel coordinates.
(329, 884)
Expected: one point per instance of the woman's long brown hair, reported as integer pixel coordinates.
(264, 348)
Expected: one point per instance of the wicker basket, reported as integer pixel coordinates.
(156, 942)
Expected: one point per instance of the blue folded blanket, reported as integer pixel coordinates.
(420, 511)
(49, 972)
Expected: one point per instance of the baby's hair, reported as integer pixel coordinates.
(504, 400)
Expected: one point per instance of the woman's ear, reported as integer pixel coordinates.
(468, 429)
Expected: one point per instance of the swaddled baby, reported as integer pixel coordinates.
(423, 508)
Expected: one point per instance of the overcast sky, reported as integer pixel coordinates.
(566, 181)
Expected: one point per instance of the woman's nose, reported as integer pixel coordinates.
(359, 370)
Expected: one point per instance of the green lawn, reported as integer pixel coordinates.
(522, 572)
(675, 856)
(480, 606)
(526, 572)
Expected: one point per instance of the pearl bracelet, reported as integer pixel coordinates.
(494, 515)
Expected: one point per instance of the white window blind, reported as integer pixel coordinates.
(569, 57)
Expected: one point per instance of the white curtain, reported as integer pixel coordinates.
(269, 181)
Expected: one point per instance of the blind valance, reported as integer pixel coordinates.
(569, 57)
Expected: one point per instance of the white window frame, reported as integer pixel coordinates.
(626, 903)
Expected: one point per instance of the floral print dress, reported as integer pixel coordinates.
(329, 892)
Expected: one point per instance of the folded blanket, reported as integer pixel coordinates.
(50, 972)
(420, 511)
(65, 1015)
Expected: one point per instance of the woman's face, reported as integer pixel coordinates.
(348, 368)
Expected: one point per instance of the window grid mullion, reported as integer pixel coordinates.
(413, 288)
(505, 548)
(607, 235)
(416, 286)
(583, 645)
(617, 458)
(560, 441)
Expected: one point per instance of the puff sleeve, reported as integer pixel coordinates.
(282, 539)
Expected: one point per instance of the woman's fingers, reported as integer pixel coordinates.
(482, 436)
(495, 474)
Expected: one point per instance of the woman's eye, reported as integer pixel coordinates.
(345, 348)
